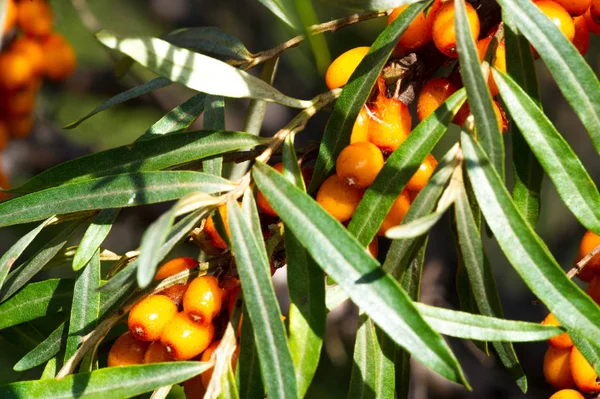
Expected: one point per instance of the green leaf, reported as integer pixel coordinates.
(573, 75)
(36, 300)
(45, 351)
(399, 168)
(356, 93)
(196, 71)
(211, 40)
(478, 94)
(178, 119)
(85, 309)
(263, 309)
(127, 95)
(590, 350)
(214, 118)
(147, 155)
(278, 8)
(126, 190)
(525, 250)
(343, 258)
(94, 237)
(228, 388)
(318, 43)
(573, 183)
(25, 272)
(369, 4)
(109, 383)
(248, 378)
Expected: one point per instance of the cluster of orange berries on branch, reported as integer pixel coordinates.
(565, 367)
(177, 323)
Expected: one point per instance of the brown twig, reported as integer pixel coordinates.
(584, 261)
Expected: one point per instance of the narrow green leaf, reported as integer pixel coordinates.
(45, 351)
(109, 383)
(480, 100)
(85, 309)
(214, 118)
(94, 237)
(573, 75)
(318, 43)
(178, 119)
(228, 388)
(369, 4)
(278, 8)
(146, 155)
(36, 300)
(263, 309)
(356, 92)
(209, 39)
(126, 190)
(195, 70)
(248, 378)
(573, 183)
(345, 259)
(525, 250)
(151, 245)
(399, 168)
(127, 95)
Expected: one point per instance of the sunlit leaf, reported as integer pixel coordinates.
(94, 237)
(178, 119)
(278, 8)
(209, 39)
(214, 118)
(369, 4)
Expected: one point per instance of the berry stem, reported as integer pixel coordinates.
(584, 261)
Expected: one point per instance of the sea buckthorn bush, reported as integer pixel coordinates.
(351, 178)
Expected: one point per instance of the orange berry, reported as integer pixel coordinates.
(19, 127)
(206, 355)
(592, 24)
(581, 41)
(586, 274)
(559, 17)
(261, 200)
(360, 130)
(595, 11)
(338, 199)
(175, 293)
(562, 341)
(203, 299)
(193, 388)
(422, 175)
(20, 102)
(342, 68)
(373, 247)
(157, 353)
(174, 266)
(35, 17)
(127, 351)
(184, 338)
(575, 7)
(358, 164)
(148, 318)
(396, 213)
(588, 243)
(499, 61)
(10, 18)
(464, 112)
(60, 57)
(4, 137)
(593, 289)
(567, 394)
(211, 230)
(444, 31)
(31, 49)
(433, 94)
(15, 70)
(557, 369)
(583, 373)
(5, 184)
(419, 32)
(390, 125)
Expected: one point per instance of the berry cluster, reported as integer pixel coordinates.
(564, 365)
(177, 323)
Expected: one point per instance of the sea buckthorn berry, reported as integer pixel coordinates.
(567, 394)
(31, 49)
(562, 341)
(593, 289)
(419, 32)
(20, 127)
(593, 26)
(343, 67)
(422, 175)
(10, 18)
(5, 184)
(595, 11)
(211, 230)
(396, 213)
(261, 200)
(390, 125)
(360, 130)
(433, 94)
(373, 247)
(203, 299)
(358, 164)
(338, 199)
(193, 388)
(15, 70)
(4, 137)
(444, 31)
(588, 243)
(127, 351)
(559, 17)
(184, 339)
(20, 102)
(157, 353)
(581, 41)
(464, 112)
(584, 375)
(575, 7)
(60, 57)
(499, 61)
(148, 318)
(557, 369)
(206, 355)
(35, 17)
(174, 266)
(175, 293)
(586, 274)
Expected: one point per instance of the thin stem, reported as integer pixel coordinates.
(583, 262)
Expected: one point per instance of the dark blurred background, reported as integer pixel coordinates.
(94, 82)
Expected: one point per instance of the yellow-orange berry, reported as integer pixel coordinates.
(60, 59)
(15, 70)
(567, 394)
(338, 199)
(419, 32)
(261, 200)
(557, 369)
(32, 50)
(360, 130)
(10, 18)
(174, 266)
(592, 24)
(433, 94)
(175, 293)
(593, 289)
(575, 7)
(499, 61)
(444, 31)
(390, 124)
(19, 127)
(211, 230)
(127, 351)
(157, 353)
(559, 17)
(562, 341)
(588, 243)
(35, 17)
(396, 213)
(422, 175)
(203, 299)
(184, 339)
(358, 164)
(581, 41)
(148, 318)
(342, 68)
(584, 375)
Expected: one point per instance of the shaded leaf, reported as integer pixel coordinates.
(94, 237)
(214, 118)
(178, 119)
(248, 378)
(45, 351)
(278, 8)
(209, 39)
(369, 4)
